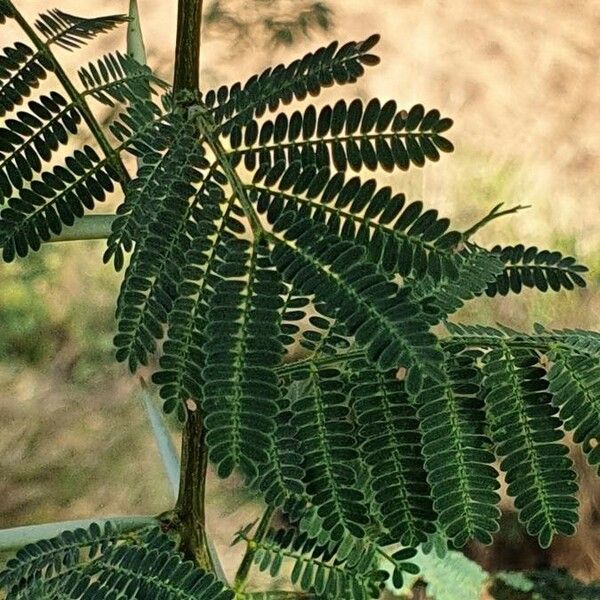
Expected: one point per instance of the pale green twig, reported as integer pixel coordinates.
(495, 213)
(246, 564)
(162, 436)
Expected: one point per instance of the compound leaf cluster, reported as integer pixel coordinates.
(105, 563)
(299, 305)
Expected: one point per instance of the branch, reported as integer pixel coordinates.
(89, 227)
(162, 437)
(495, 213)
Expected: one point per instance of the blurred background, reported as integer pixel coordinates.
(521, 79)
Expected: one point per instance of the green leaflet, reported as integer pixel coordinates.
(166, 191)
(104, 563)
(237, 105)
(534, 268)
(117, 78)
(403, 239)
(388, 431)
(457, 459)
(526, 435)
(342, 137)
(574, 382)
(240, 395)
(183, 358)
(282, 479)
(21, 70)
(71, 32)
(55, 199)
(382, 317)
(315, 569)
(476, 268)
(327, 443)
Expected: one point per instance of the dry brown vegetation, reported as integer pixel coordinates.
(520, 78)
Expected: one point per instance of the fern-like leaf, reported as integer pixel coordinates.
(282, 480)
(459, 465)
(476, 268)
(327, 442)
(374, 310)
(213, 224)
(47, 558)
(117, 78)
(534, 268)
(344, 137)
(391, 443)
(316, 569)
(402, 238)
(165, 193)
(575, 388)
(332, 64)
(71, 32)
(526, 435)
(241, 395)
(55, 199)
(31, 139)
(103, 563)
(21, 71)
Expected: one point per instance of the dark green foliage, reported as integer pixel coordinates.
(390, 439)
(458, 461)
(575, 388)
(31, 139)
(237, 105)
(282, 480)
(351, 572)
(40, 559)
(21, 70)
(5, 12)
(42, 197)
(138, 130)
(183, 358)
(116, 78)
(241, 396)
(402, 238)
(344, 137)
(71, 32)
(252, 241)
(53, 200)
(380, 316)
(476, 268)
(165, 184)
(103, 563)
(526, 435)
(327, 442)
(533, 268)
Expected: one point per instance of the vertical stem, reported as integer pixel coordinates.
(189, 509)
(187, 51)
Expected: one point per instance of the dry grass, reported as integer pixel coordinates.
(520, 78)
